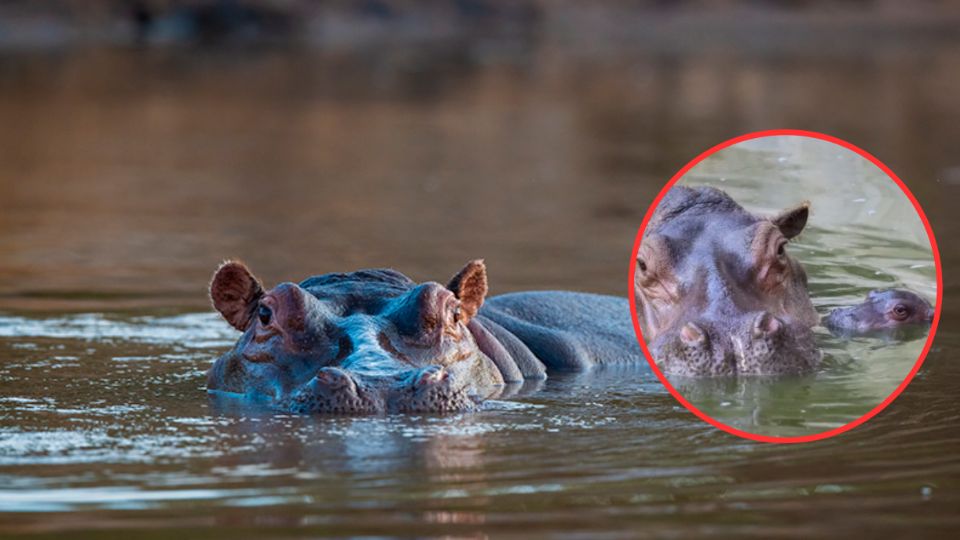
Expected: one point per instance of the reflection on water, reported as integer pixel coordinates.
(863, 234)
(101, 439)
(127, 175)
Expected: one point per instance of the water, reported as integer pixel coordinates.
(863, 234)
(126, 176)
(106, 427)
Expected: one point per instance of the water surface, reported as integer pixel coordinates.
(863, 234)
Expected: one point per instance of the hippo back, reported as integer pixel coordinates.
(567, 331)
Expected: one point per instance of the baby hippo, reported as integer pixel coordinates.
(885, 311)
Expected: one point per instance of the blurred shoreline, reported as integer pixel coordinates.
(575, 27)
(331, 136)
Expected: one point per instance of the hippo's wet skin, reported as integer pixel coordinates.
(717, 291)
(892, 312)
(373, 341)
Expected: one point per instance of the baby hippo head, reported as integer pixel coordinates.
(364, 342)
(885, 311)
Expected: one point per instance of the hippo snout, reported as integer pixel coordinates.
(338, 391)
(433, 389)
(758, 343)
(334, 391)
(330, 381)
(765, 325)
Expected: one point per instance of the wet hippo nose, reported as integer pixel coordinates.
(331, 379)
(745, 343)
(701, 333)
(722, 337)
(765, 325)
(691, 335)
(431, 376)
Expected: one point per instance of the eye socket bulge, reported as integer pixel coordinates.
(265, 314)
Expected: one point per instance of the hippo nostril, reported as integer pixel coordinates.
(334, 378)
(431, 375)
(691, 334)
(765, 324)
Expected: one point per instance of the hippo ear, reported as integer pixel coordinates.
(235, 293)
(792, 221)
(470, 286)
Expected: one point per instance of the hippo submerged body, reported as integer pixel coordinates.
(374, 341)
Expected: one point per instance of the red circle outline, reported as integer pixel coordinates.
(824, 434)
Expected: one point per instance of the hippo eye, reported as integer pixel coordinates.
(900, 311)
(264, 314)
(781, 249)
(642, 266)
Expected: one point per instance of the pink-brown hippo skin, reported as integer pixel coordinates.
(895, 313)
(717, 291)
(374, 341)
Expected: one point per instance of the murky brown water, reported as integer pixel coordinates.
(126, 176)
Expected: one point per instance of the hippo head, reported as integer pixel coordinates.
(894, 312)
(370, 341)
(717, 291)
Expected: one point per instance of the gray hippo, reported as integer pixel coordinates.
(718, 293)
(374, 341)
(885, 312)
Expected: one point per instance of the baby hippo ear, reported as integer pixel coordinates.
(235, 293)
(792, 221)
(470, 286)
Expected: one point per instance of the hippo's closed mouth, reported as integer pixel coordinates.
(428, 390)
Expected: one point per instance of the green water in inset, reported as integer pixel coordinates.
(863, 233)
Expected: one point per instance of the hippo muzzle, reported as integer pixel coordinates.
(337, 390)
(432, 389)
(760, 344)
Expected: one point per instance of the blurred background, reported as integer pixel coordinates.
(143, 142)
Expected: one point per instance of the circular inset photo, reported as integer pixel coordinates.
(786, 286)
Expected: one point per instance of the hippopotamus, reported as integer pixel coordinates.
(717, 291)
(891, 312)
(374, 341)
